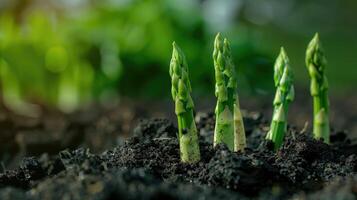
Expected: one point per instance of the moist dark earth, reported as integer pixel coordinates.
(147, 166)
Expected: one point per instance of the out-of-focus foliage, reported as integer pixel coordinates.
(40, 63)
(54, 54)
(65, 53)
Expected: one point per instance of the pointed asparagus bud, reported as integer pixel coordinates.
(316, 63)
(180, 90)
(229, 128)
(283, 79)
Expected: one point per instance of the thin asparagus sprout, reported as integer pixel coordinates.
(316, 63)
(180, 90)
(283, 79)
(229, 127)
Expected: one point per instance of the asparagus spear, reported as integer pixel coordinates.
(180, 90)
(229, 127)
(315, 63)
(283, 79)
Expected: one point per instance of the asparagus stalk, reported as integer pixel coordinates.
(180, 90)
(315, 63)
(229, 127)
(283, 79)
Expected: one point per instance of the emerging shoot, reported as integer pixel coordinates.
(180, 90)
(283, 79)
(229, 127)
(316, 63)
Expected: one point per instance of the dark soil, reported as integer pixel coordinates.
(147, 166)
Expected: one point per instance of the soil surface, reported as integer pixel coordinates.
(147, 166)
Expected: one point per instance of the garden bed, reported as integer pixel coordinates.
(147, 166)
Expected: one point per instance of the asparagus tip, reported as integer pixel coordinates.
(315, 42)
(218, 41)
(316, 36)
(177, 52)
(283, 52)
(174, 45)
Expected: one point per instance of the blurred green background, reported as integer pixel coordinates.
(69, 53)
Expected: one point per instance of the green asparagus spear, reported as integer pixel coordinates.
(180, 90)
(283, 79)
(315, 63)
(229, 127)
